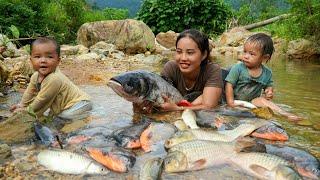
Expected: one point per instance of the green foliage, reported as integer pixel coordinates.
(306, 17)
(209, 16)
(58, 18)
(251, 11)
(15, 31)
(304, 22)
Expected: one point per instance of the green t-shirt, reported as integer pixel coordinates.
(246, 87)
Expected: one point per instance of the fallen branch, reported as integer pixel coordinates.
(265, 22)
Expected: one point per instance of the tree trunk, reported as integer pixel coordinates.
(265, 22)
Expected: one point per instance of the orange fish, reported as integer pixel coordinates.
(115, 159)
(145, 139)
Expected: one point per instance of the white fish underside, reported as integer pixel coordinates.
(69, 163)
(189, 117)
(244, 104)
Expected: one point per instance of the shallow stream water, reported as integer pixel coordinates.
(297, 90)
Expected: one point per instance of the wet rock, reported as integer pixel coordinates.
(168, 39)
(103, 45)
(151, 59)
(17, 128)
(302, 49)
(4, 74)
(67, 50)
(89, 57)
(24, 166)
(117, 55)
(130, 36)
(20, 73)
(5, 152)
(10, 48)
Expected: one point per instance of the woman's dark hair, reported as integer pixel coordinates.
(201, 40)
(42, 40)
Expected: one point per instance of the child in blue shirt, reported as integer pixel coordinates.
(247, 79)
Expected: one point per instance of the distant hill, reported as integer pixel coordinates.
(132, 5)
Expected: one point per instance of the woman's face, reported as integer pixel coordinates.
(188, 56)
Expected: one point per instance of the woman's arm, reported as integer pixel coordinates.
(229, 94)
(209, 99)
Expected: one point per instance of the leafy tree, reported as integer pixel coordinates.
(251, 11)
(306, 17)
(58, 18)
(209, 16)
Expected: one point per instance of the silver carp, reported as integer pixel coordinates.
(307, 165)
(200, 154)
(144, 88)
(225, 136)
(264, 166)
(69, 163)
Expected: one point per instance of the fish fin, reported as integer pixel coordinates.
(199, 164)
(243, 142)
(261, 171)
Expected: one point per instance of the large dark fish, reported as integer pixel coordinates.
(144, 88)
(129, 137)
(307, 165)
(44, 134)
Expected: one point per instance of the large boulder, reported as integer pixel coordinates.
(130, 36)
(168, 39)
(302, 49)
(235, 37)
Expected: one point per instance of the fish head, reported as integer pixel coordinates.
(132, 86)
(175, 161)
(94, 168)
(179, 137)
(271, 131)
(282, 172)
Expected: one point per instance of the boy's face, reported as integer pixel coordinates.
(44, 58)
(252, 55)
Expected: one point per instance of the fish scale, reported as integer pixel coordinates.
(210, 151)
(267, 161)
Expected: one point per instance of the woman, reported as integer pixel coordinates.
(192, 73)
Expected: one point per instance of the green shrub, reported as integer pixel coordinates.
(58, 18)
(209, 16)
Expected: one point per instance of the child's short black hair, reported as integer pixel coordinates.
(41, 40)
(201, 40)
(264, 41)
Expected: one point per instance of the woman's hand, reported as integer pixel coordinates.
(169, 106)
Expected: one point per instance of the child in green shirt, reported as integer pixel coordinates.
(247, 79)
